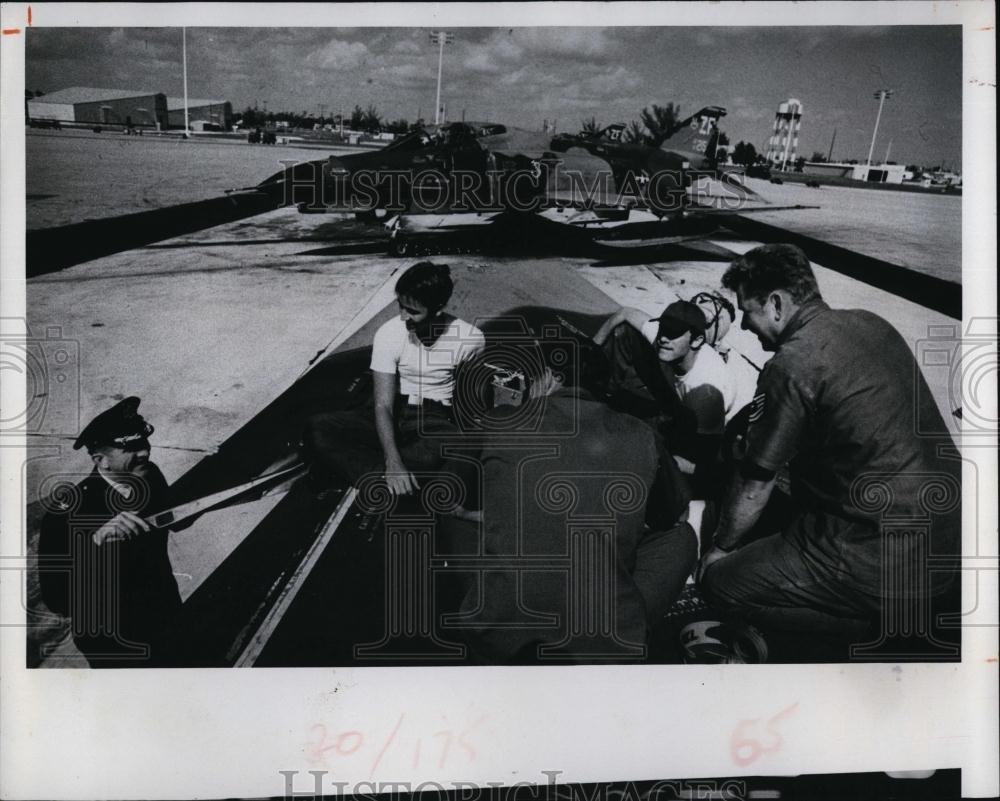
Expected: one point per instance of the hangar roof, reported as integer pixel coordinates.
(177, 103)
(88, 94)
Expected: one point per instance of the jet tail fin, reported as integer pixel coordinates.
(613, 133)
(695, 134)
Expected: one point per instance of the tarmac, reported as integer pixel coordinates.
(209, 328)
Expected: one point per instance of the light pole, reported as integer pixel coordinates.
(440, 38)
(184, 58)
(880, 96)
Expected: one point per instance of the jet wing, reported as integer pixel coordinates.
(574, 175)
(512, 142)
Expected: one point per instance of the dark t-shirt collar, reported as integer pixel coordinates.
(802, 316)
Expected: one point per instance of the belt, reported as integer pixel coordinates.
(414, 400)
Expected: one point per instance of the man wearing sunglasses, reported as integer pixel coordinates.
(99, 562)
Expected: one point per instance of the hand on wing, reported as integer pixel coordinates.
(121, 527)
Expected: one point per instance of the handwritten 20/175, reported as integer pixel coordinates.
(423, 742)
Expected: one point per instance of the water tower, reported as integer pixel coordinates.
(785, 137)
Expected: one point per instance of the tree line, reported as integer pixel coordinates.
(367, 119)
(655, 124)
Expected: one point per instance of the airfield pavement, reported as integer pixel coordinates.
(210, 327)
(915, 230)
(77, 175)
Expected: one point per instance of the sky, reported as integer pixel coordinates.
(522, 76)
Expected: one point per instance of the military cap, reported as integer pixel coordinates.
(681, 316)
(120, 426)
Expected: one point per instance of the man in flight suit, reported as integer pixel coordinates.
(577, 461)
(842, 403)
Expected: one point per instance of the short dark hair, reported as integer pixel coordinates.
(426, 283)
(764, 269)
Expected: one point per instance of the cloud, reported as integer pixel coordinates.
(405, 75)
(618, 81)
(407, 47)
(498, 55)
(564, 42)
(338, 55)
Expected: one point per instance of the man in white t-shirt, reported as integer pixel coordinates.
(414, 358)
(661, 369)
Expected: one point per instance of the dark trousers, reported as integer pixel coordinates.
(784, 582)
(772, 582)
(663, 562)
(345, 445)
(803, 570)
(642, 587)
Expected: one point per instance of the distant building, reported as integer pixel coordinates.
(943, 178)
(784, 140)
(870, 173)
(89, 105)
(208, 113)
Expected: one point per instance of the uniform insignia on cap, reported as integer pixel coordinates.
(757, 407)
(121, 425)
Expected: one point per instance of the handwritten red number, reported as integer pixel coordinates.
(385, 747)
(745, 749)
(315, 751)
(348, 742)
(345, 743)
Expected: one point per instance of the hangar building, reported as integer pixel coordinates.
(89, 105)
(213, 112)
(876, 174)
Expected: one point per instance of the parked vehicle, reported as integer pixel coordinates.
(35, 123)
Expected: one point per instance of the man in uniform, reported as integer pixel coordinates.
(843, 404)
(414, 358)
(100, 562)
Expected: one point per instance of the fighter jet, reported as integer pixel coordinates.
(465, 177)
(490, 166)
(602, 190)
(420, 169)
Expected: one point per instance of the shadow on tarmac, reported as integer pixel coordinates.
(52, 249)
